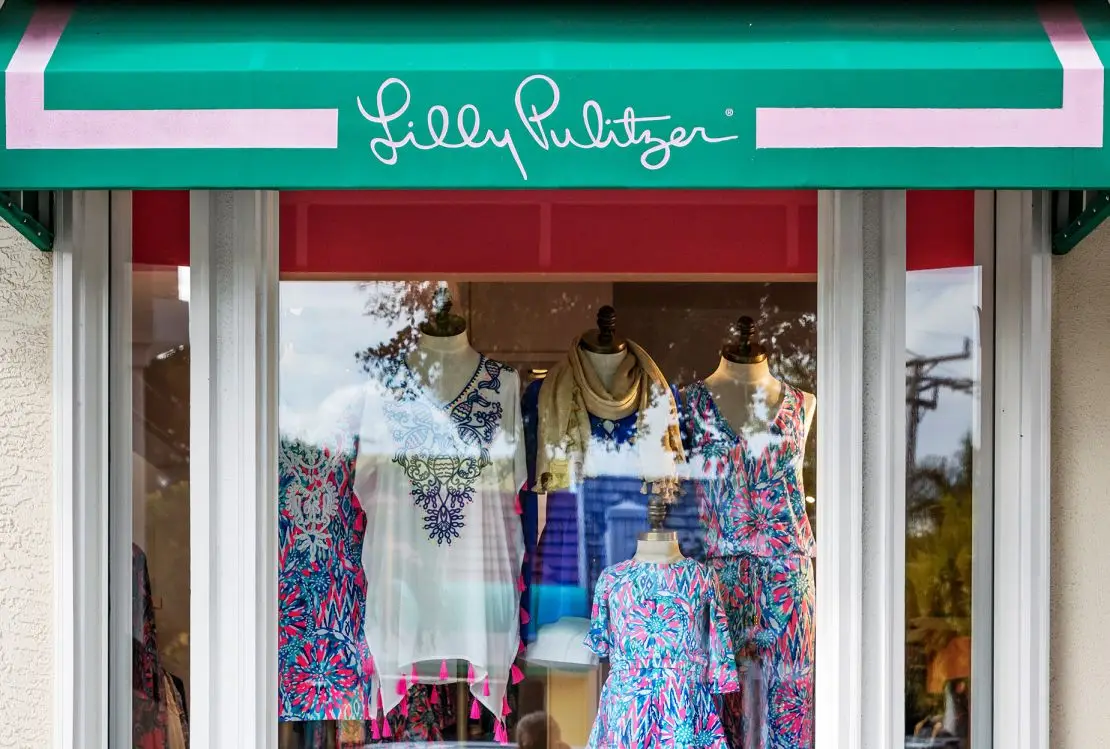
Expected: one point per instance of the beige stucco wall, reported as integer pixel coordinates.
(26, 549)
(1081, 495)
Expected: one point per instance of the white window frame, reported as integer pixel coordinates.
(234, 291)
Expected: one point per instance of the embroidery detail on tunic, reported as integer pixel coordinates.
(441, 471)
(312, 504)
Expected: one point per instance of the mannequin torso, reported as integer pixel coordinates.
(749, 397)
(444, 365)
(663, 551)
(605, 365)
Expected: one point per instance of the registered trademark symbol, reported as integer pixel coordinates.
(728, 112)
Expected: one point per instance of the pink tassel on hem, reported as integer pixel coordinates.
(500, 735)
(375, 732)
(443, 675)
(505, 709)
(470, 673)
(401, 688)
(387, 732)
(415, 677)
(475, 710)
(434, 698)
(516, 674)
(485, 687)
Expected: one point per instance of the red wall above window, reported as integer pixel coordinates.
(610, 232)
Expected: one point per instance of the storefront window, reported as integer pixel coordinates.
(945, 466)
(159, 501)
(534, 490)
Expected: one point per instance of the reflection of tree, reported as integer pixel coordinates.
(791, 338)
(938, 578)
(401, 304)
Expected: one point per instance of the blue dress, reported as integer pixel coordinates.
(665, 634)
(588, 529)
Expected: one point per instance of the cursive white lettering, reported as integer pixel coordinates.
(537, 101)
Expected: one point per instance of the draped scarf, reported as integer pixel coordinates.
(572, 391)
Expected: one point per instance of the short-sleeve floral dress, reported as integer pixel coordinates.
(667, 640)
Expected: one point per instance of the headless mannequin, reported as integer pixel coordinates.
(605, 365)
(746, 393)
(444, 364)
(658, 547)
(749, 397)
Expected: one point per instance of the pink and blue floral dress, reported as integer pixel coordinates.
(666, 636)
(759, 541)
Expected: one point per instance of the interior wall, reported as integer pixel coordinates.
(1080, 661)
(26, 491)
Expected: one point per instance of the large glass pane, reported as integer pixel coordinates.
(159, 522)
(944, 482)
(556, 510)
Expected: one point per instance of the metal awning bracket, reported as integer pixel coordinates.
(1077, 213)
(31, 214)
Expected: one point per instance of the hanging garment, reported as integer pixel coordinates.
(425, 719)
(759, 541)
(594, 524)
(664, 632)
(323, 660)
(443, 546)
(177, 728)
(148, 694)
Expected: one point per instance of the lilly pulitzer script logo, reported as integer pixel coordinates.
(537, 100)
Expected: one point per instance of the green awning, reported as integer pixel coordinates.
(105, 95)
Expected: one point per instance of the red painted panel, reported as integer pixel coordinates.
(160, 227)
(593, 232)
(940, 229)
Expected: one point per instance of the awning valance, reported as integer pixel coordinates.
(104, 95)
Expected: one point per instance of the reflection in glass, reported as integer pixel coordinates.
(943, 433)
(502, 506)
(160, 506)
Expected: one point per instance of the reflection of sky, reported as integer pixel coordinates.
(941, 310)
(323, 324)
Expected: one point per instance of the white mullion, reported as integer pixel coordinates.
(120, 451)
(839, 469)
(80, 369)
(233, 498)
(982, 543)
(884, 467)
(1021, 459)
(1039, 453)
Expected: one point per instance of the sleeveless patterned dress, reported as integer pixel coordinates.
(760, 543)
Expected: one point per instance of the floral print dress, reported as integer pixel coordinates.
(662, 628)
(759, 542)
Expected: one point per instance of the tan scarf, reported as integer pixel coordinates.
(572, 391)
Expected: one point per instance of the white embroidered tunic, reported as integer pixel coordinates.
(443, 547)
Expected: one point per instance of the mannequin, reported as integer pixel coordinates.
(746, 393)
(443, 358)
(603, 349)
(656, 545)
(761, 424)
